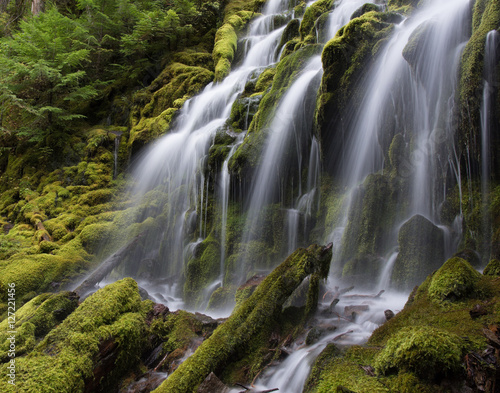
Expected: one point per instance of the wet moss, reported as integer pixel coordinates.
(246, 156)
(486, 17)
(231, 340)
(201, 271)
(424, 351)
(35, 319)
(421, 251)
(493, 268)
(335, 371)
(312, 13)
(455, 280)
(344, 58)
(226, 42)
(68, 359)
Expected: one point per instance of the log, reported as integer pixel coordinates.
(106, 266)
(365, 296)
(230, 340)
(41, 227)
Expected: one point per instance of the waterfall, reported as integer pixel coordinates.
(224, 202)
(291, 121)
(409, 94)
(172, 169)
(487, 108)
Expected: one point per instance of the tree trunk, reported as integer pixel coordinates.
(36, 7)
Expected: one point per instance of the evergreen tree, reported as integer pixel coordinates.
(43, 78)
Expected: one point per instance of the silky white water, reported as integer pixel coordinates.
(173, 166)
(411, 85)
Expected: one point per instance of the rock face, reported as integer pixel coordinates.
(421, 251)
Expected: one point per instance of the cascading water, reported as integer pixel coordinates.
(224, 198)
(409, 91)
(290, 124)
(171, 172)
(490, 57)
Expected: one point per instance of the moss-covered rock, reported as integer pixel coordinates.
(486, 17)
(247, 155)
(230, 341)
(455, 280)
(91, 348)
(344, 58)
(371, 218)
(421, 251)
(424, 351)
(35, 319)
(313, 12)
(493, 268)
(157, 105)
(201, 270)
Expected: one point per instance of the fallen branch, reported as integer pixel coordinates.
(365, 296)
(342, 335)
(106, 266)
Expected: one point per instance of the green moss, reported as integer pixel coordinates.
(333, 372)
(493, 268)
(177, 331)
(229, 341)
(421, 252)
(35, 319)
(424, 351)
(156, 106)
(265, 80)
(112, 318)
(201, 271)
(455, 280)
(226, 42)
(222, 298)
(344, 58)
(313, 12)
(371, 218)
(247, 155)
(486, 17)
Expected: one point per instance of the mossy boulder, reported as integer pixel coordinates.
(313, 12)
(422, 350)
(455, 280)
(421, 251)
(493, 268)
(226, 42)
(35, 319)
(340, 371)
(371, 218)
(92, 348)
(368, 7)
(201, 270)
(247, 155)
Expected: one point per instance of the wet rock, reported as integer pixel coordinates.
(212, 384)
(145, 383)
(421, 251)
(313, 335)
(470, 256)
(389, 314)
(349, 310)
(477, 311)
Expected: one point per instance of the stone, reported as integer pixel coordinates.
(421, 251)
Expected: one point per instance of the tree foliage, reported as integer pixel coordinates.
(43, 74)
